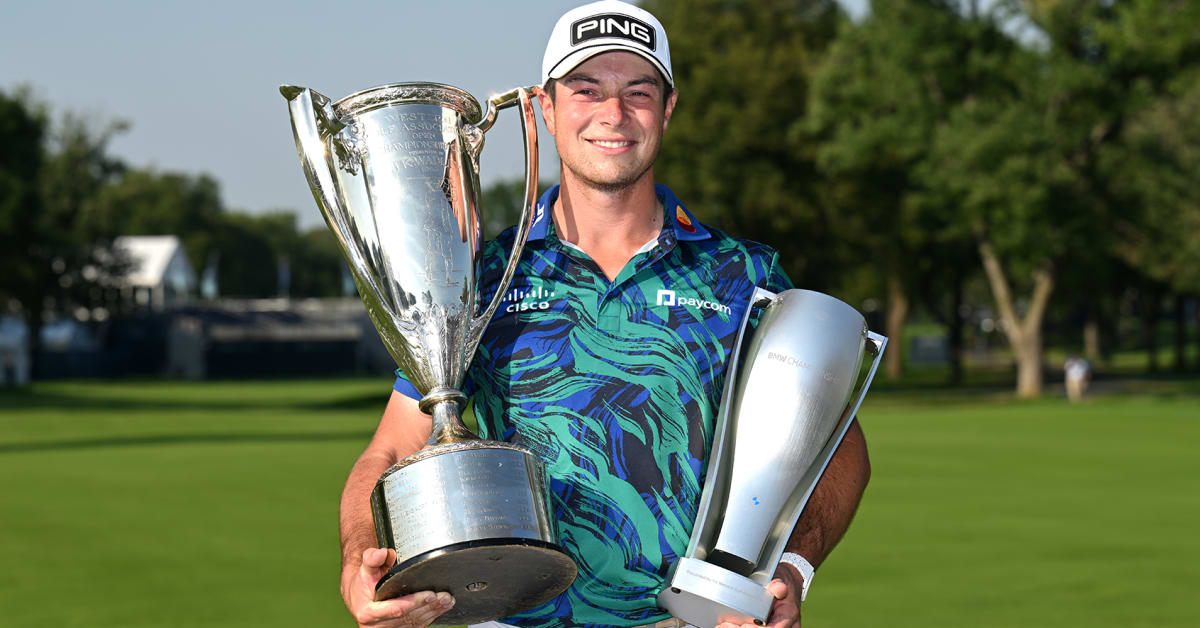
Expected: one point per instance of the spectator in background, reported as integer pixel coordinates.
(1078, 373)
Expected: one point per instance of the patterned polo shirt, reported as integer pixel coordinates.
(615, 386)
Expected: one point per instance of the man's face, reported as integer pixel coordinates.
(608, 118)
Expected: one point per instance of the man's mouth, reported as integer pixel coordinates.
(612, 143)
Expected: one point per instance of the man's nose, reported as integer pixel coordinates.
(612, 111)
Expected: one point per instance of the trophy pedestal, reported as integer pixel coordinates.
(703, 594)
(470, 518)
(488, 579)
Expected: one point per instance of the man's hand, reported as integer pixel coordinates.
(785, 612)
(415, 610)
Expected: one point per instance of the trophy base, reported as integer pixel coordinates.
(470, 518)
(703, 594)
(489, 579)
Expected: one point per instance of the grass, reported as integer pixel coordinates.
(214, 504)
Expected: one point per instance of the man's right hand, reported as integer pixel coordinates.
(415, 610)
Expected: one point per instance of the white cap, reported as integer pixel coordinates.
(586, 31)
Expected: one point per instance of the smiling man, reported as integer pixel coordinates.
(609, 357)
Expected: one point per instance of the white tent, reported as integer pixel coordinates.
(159, 274)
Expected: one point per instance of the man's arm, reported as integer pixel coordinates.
(822, 524)
(403, 430)
(834, 501)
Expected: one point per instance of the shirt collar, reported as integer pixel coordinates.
(678, 218)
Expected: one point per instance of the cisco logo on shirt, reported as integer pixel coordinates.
(668, 298)
(527, 299)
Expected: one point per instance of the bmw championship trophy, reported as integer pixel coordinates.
(783, 414)
(395, 172)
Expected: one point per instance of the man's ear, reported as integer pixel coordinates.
(670, 108)
(547, 106)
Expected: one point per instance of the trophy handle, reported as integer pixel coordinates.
(519, 96)
(313, 122)
(875, 344)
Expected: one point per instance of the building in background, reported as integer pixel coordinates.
(159, 275)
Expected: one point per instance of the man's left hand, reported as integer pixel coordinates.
(785, 612)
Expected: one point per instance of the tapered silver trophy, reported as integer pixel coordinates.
(788, 400)
(395, 172)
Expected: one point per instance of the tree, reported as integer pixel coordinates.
(1161, 159)
(501, 204)
(54, 259)
(878, 99)
(146, 202)
(1031, 167)
(738, 150)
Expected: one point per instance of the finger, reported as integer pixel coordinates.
(784, 613)
(428, 613)
(427, 609)
(783, 616)
(375, 564)
(374, 557)
(778, 588)
(408, 607)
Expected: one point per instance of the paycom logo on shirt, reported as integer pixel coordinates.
(669, 298)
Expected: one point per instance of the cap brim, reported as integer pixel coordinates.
(572, 60)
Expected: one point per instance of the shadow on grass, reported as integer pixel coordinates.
(183, 439)
(25, 399)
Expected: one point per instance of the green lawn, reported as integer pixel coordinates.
(214, 504)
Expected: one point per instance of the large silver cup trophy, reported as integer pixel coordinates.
(395, 172)
(788, 400)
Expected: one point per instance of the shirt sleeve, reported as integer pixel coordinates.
(777, 277)
(776, 280)
(405, 387)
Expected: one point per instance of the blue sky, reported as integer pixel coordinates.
(198, 81)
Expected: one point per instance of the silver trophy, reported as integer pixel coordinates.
(395, 172)
(783, 414)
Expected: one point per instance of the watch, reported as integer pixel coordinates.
(806, 570)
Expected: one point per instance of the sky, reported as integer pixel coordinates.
(198, 82)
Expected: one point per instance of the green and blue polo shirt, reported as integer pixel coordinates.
(615, 386)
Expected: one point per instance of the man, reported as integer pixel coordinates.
(608, 353)
(1077, 372)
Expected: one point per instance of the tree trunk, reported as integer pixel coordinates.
(1150, 330)
(1091, 337)
(33, 325)
(897, 313)
(1024, 333)
(955, 330)
(1029, 366)
(1180, 333)
(1196, 313)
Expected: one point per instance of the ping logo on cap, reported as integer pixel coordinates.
(612, 25)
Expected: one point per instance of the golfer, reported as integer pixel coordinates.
(607, 355)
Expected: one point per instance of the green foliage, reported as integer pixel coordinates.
(247, 250)
(737, 151)
(50, 175)
(146, 202)
(501, 204)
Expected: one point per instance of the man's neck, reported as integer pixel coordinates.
(610, 226)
